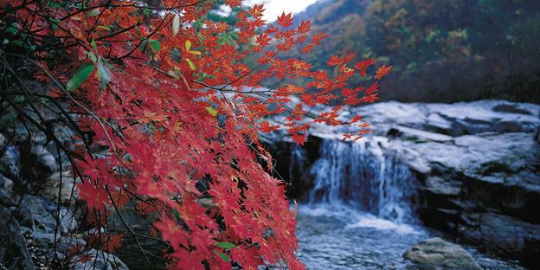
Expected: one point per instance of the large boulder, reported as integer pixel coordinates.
(37, 218)
(437, 253)
(13, 251)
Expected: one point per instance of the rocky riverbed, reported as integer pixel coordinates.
(40, 220)
(474, 168)
(469, 170)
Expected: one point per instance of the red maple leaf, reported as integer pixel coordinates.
(336, 61)
(257, 11)
(304, 27)
(299, 138)
(364, 64)
(233, 3)
(285, 20)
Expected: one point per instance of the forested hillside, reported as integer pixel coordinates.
(442, 51)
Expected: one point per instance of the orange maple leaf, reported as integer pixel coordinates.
(364, 64)
(383, 71)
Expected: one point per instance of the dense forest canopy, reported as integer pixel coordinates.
(442, 51)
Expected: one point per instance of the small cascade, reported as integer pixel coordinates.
(363, 176)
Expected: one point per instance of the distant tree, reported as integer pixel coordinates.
(442, 51)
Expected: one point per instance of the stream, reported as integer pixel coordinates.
(343, 238)
(360, 213)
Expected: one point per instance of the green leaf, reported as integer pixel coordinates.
(212, 111)
(176, 214)
(191, 65)
(93, 44)
(13, 28)
(188, 45)
(222, 256)
(143, 46)
(103, 27)
(104, 74)
(80, 76)
(226, 245)
(17, 43)
(154, 44)
(92, 13)
(195, 52)
(55, 5)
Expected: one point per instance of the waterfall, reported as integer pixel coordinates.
(362, 175)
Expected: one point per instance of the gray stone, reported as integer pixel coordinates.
(13, 251)
(100, 261)
(66, 243)
(68, 222)
(3, 141)
(441, 186)
(502, 233)
(33, 213)
(6, 190)
(44, 159)
(43, 240)
(9, 160)
(419, 136)
(52, 190)
(511, 108)
(441, 254)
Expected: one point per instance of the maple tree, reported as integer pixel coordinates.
(166, 115)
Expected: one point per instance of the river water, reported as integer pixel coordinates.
(332, 237)
(360, 213)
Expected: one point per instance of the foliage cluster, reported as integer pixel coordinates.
(443, 51)
(162, 113)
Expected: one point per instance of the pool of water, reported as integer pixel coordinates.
(333, 237)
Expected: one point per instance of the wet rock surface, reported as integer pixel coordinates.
(39, 218)
(477, 166)
(13, 251)
(435, 253)
(100, 260)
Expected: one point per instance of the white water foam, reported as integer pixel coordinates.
(369, 221)
(362, 175)
(355, 219)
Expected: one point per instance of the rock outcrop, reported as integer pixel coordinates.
(13, 251)
(38, 214)
(477, 166)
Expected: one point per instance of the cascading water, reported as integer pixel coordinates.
(362, 175)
